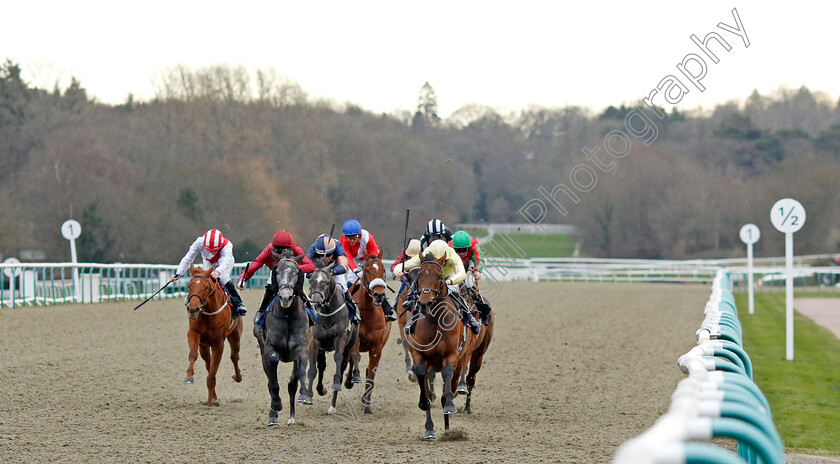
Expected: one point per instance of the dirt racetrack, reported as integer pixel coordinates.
(574, 370)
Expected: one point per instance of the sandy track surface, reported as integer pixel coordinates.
(574, 371)
(823, 311)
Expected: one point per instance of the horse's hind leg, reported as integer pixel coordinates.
(408, 368)
(462, 383)
(475, 366)
(353, 373)
(234, 341)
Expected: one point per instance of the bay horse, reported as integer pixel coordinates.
(211, 322)
(332, 332)
(287, 336)
(440, 342)
(403, 318)
(374, 329)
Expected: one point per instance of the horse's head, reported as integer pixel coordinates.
(286, 275)
(201, 288)
(430, 285)
(373, 278)
(321, 284)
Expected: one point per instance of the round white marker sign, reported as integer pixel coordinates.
(11, 271)
(750, 234)
(71, 229)
(787, 215)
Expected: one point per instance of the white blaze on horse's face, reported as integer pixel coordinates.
(286, 279)
(318, 287)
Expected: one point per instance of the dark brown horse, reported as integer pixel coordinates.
(374, 329)
(476, 351)
(211, 322)
(440, 342)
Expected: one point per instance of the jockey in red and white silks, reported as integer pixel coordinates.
(356, 242)
(220, 260)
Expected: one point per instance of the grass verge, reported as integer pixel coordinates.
(804, 394)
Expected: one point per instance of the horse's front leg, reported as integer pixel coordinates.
(462, 383)
(216, 353)
(192, 341)
(234, 339)
(298, 374)
(270, 360)
(353, 375)
(340, 364)
(374, 356)
(446, 400)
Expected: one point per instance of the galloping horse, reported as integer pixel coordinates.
(374, 329)
(476, 354)
(441, 340)
(403, 320)
(287, 336)
(333, 332)
(211, 322)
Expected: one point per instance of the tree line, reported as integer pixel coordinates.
(250, 153)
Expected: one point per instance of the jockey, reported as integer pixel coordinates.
(435, 229)
(452, 272)
(412, 250)
(470, 253)
(217, 253)
(270, 256)
(356, 243)
(328, 249)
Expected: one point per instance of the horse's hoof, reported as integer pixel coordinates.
(336, 387)
(450, 409)
(291, 421)
(357, 379)
(423, 405)
(276, 407)
(368, 411)
(462, 388)
(189, 380)
(237, 378)
(412, 377)
(272, 418)
(305, 399)
(321, 390)
(348, 384)
(332, 410)
(430, 435)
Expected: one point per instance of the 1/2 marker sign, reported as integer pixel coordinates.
(787, 215)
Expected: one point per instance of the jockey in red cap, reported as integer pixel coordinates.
(270, 256)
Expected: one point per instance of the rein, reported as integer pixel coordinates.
(437, 291)
(203, 302)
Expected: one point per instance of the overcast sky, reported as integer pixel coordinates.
(506, 55)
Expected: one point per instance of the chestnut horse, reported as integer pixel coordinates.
(374, 329)
(287, 336)
(211, 322)
(440, 342)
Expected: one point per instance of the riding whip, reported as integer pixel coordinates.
(153, 295)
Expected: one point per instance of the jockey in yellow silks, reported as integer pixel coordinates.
(452, 272)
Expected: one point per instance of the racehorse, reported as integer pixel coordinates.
(211, 322)
(374, 329)
(476, 354)
(440, 341)
(402, 319)
(287, 336)
(332, 332)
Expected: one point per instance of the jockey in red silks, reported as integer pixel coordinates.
(269, 257)
(217, 254)
(357, 242)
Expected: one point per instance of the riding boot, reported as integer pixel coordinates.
(410, 296)
(466, 314)
(410, 322)
(352, 311)
(483, 311)
(388, 310)
(236, 299)
(259, 318)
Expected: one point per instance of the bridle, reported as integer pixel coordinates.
(285, 285)
(366, 281)
(201, 308)
(438, 291)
